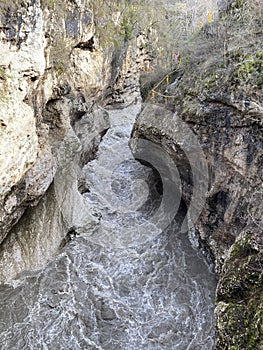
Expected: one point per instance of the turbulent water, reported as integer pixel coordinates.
(115, 289)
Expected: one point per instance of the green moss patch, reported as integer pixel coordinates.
(248, 69)
(240, 325)
(242, 275)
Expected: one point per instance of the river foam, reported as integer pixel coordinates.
(108, 290)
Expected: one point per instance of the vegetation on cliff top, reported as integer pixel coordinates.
(225, 52)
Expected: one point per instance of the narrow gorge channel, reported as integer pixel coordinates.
(131, 157)
(108, 291)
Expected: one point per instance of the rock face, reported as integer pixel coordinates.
(227, 229)
(220, 101)
(36, 104)
(53, 78)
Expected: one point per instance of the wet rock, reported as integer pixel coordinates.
(107, 313)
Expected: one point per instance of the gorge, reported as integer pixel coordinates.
(129, 223)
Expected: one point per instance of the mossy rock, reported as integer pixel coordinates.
(239, 312)
(239, 326)
(242, 273)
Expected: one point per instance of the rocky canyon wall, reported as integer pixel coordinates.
(217, 95)
(54, 76)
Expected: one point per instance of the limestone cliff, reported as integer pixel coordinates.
(54, 75)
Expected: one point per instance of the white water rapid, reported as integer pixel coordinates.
(119, 288)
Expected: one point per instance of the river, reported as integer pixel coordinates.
(117, 288)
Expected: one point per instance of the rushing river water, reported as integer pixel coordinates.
(98, 294)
